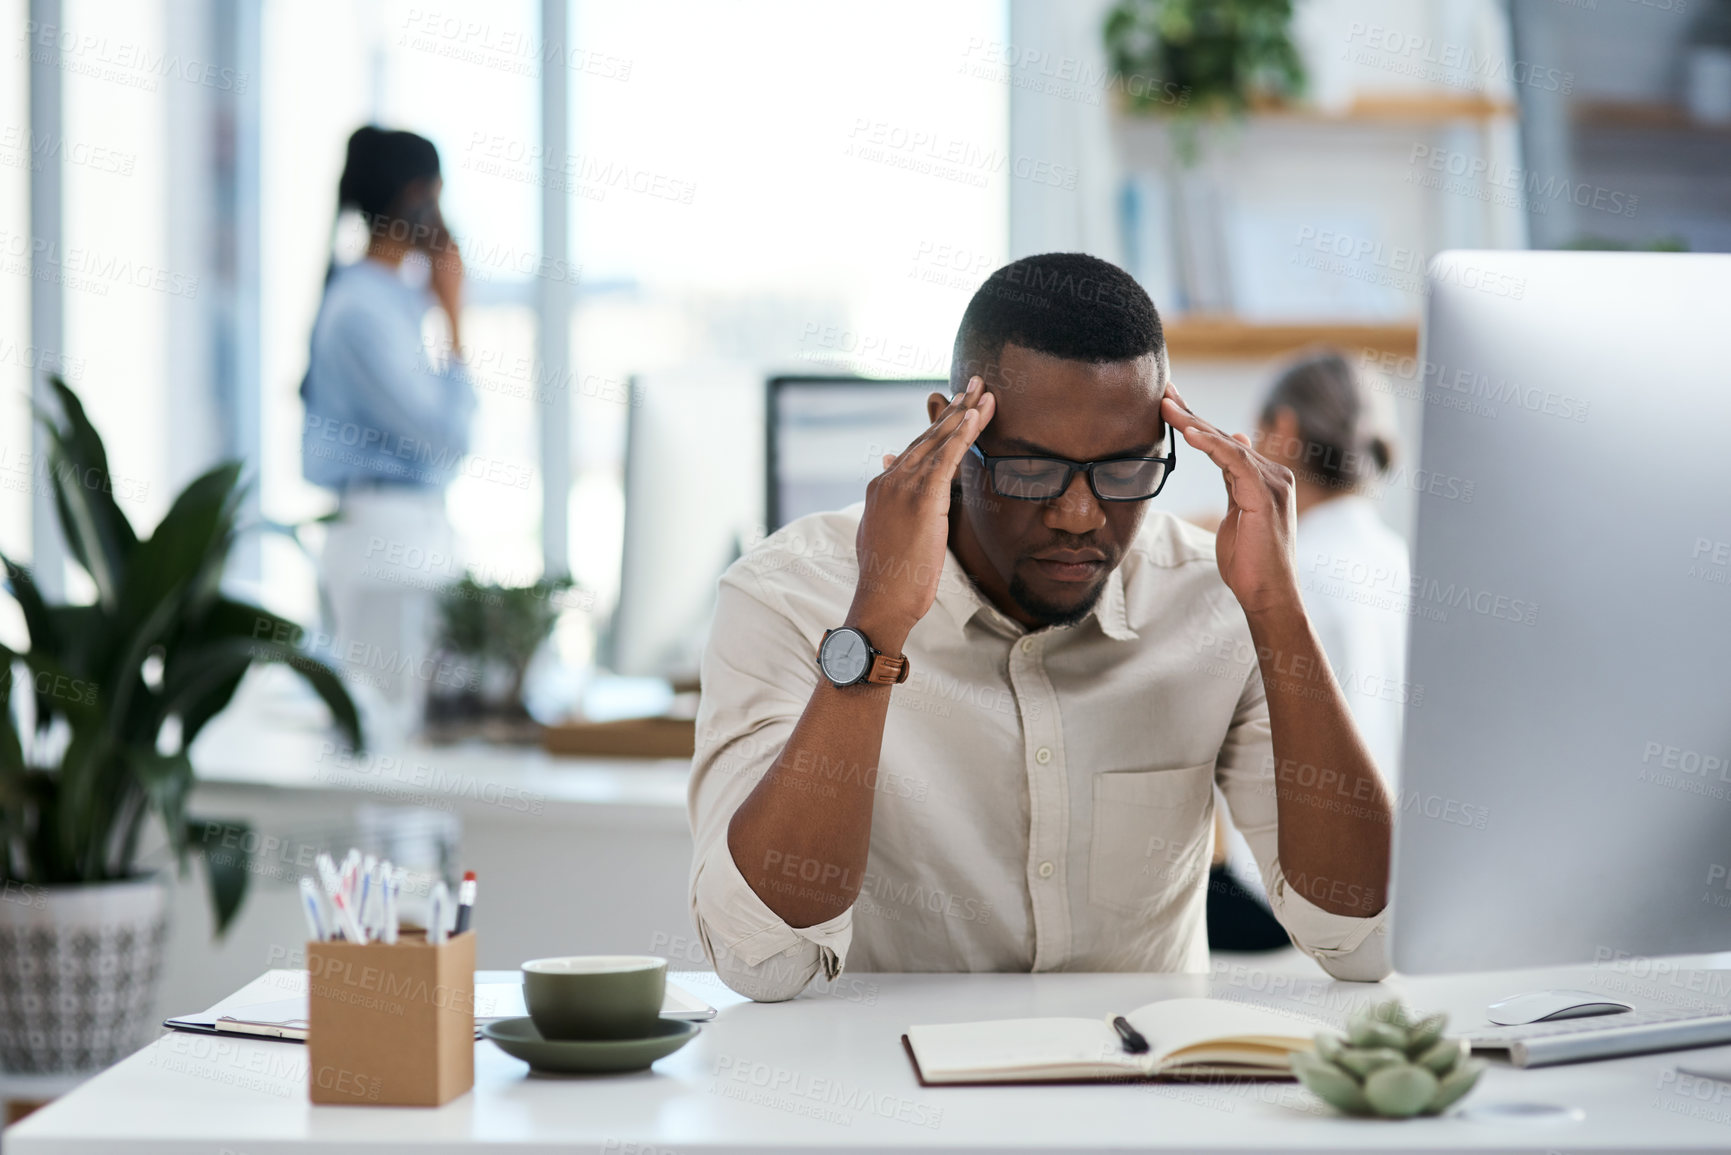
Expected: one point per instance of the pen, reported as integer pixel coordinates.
(350, 924)
(368, 883)
(391, 883)
(314, 913)
(1133, 1040)
(436, 913)
(465, 900)
(332, 884)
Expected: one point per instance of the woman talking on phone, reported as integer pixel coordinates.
(387, 423)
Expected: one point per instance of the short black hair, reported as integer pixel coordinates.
(1068, 305)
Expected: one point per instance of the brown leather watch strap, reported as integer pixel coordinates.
(887, 671)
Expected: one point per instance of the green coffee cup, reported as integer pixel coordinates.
(596, 996)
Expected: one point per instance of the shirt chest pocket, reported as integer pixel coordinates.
(1152, 831)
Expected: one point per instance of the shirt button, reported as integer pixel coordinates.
(1027, 645)
(1046, 870)
(1043, 755)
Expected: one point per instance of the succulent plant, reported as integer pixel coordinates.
(1389, 1065)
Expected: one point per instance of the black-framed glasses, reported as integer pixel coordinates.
(1043, 478)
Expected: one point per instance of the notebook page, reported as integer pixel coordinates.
(1174, 1025)
(1071, 1048)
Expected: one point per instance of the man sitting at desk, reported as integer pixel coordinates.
(975, 722)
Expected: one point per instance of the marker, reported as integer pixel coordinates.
(465, 900)
(314, 912)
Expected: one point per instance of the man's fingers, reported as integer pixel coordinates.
(1245, 482)
(889, 460)
(946, 423)
(948, 457)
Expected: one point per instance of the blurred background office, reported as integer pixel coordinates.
(696, 241)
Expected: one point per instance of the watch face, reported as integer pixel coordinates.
(843, 656)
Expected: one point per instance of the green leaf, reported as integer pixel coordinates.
(204, 670)
(224, 620)
(21, 584)
(167, 780)
(185, 554)
(97, 532)
(125, 679)
(227, 865)
(12, 768)
(81, 833)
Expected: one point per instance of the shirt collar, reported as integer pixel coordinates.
(960, 600)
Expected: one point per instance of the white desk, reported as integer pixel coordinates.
(827, 1071)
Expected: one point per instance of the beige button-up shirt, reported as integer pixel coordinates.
(1044, 798)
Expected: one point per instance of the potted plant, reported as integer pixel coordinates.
(1224, 56)
(488, 633)
(99, 712)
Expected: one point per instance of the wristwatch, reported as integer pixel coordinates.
(847, 658)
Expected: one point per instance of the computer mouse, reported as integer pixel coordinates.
(1541, 1006)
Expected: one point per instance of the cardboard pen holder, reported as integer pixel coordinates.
(391, 1025)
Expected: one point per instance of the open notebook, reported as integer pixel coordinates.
(1187, 1039)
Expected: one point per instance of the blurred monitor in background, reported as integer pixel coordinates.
(693, 502)
(714, 461)
(828, 435)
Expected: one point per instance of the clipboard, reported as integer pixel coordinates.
(286, 1019)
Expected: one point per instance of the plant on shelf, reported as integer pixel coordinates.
(489, 633)
(100, 711)
(1196, 60)
(1389, 1065)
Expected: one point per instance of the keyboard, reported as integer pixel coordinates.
(1605, 1036)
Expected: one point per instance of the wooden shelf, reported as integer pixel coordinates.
(1641, 115)
(1228, 338)
(1375, 108)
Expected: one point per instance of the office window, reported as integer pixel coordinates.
(17, 358)
(122, 284)
(783, 186)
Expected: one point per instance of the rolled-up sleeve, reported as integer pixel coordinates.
(1347, 947)
(757, 674)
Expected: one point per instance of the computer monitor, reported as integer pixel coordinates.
(693, 501)
(826, 437)
(1566, 784)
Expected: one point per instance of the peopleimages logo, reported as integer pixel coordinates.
(1444, 62)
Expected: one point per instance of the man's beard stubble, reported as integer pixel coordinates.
(1050, 614)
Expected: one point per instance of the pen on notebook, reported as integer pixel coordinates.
(1133, 1040)
(465, 900)
(314, 913)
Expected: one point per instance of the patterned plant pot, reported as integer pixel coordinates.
(78, 973)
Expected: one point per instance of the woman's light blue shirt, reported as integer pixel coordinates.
(376, 409)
